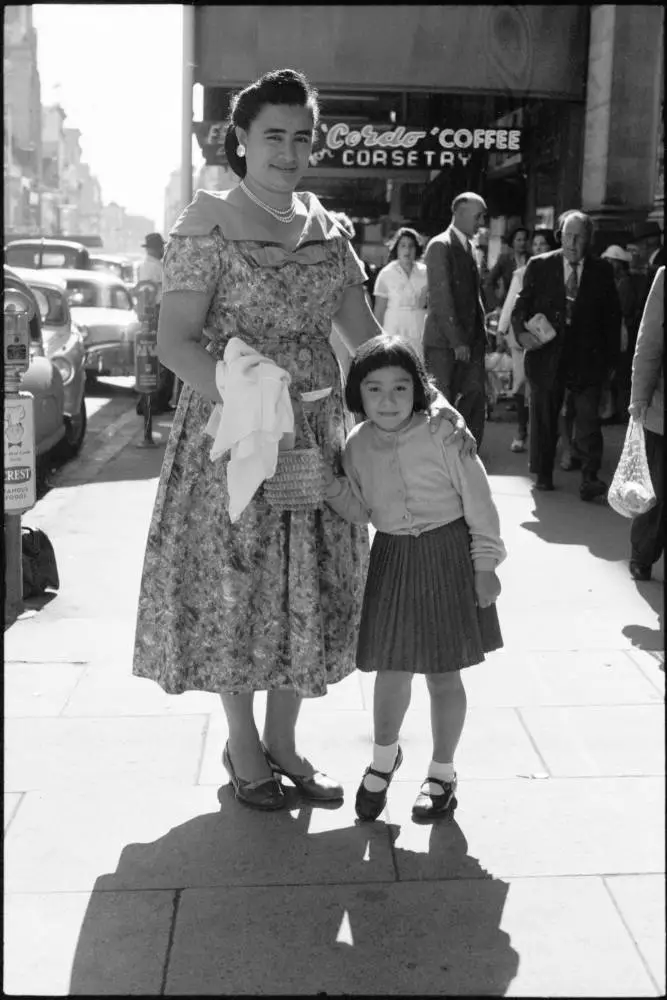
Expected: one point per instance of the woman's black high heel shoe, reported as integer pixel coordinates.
(369, 805)
(264, 794)
(317, 786)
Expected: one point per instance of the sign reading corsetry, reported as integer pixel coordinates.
(397, 147)
(404, 147)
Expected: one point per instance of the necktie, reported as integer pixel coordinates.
(571, 289)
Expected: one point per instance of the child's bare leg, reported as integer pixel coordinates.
(448, 713)
(391, 698)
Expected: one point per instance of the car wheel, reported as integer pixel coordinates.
(75, 432)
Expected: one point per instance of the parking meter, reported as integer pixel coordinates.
(146, 362)
(19, 441)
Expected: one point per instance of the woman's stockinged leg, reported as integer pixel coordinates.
(282, 711)
(448, 713)
(391, 699)
(244, 745)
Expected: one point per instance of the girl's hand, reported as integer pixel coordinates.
(638, 411)
(487, 587)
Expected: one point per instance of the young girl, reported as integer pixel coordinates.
(429, 603)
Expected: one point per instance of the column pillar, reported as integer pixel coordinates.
(622, 114)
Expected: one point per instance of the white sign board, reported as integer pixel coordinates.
(19, 455)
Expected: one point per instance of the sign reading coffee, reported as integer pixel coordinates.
(389, 146)
(403, 147)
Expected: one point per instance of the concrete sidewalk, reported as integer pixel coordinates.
(130, 869)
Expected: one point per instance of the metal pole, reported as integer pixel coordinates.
(13, 568)
(188, 84)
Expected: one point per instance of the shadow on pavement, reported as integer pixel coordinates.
(261, 904)
(651, 640)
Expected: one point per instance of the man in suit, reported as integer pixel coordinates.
(454, 337)
(577, 294)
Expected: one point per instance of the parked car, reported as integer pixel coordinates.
(118, 264)
(102, 308)
(42, 252)
(42, 379)
(64, 346)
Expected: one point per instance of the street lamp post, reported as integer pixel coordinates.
(188, 83)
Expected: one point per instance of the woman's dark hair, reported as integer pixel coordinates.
(398, 236)
(548, 235)
(281, 86)
(386, 351)
(513, 234)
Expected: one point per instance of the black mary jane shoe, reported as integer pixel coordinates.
(592, 489)
(544, 484)
(266, 794)
(368, 805)
(640, 572)
(429, 806)
(318, 786)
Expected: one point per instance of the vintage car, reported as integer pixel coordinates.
(64, 346)
(43, 252)
(42, 379)
(102, 308)
(116, 263)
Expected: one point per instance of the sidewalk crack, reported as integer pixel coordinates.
(170, 942)
(635, 943)
(532, 742)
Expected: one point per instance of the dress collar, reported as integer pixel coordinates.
(209, 209)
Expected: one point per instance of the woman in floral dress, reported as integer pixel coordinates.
(270, 602)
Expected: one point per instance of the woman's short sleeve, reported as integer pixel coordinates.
(355, 272)
(191, 263)
(382, 284)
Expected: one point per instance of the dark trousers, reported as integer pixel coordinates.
(647, 531)
(462, 383)
(587, 441)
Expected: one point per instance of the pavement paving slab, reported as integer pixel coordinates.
(162, 835)
(600, 740)
(39, 689)
(49, 753)
(86, 944)
(641, 903)
(536, 827)
(532, 937)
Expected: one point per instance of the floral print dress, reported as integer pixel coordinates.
(273, 600)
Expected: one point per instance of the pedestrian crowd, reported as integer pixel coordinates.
(257, 574)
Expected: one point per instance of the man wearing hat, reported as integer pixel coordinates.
(150, 268)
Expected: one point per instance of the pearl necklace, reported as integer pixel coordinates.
(284, 215)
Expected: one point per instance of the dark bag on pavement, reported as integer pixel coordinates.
(39, 563)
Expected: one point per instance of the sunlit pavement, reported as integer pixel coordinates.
(129, 867)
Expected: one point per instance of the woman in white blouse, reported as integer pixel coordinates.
(400, 290)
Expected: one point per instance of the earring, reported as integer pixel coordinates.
(240, 149)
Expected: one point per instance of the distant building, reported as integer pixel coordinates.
(22, 123)
(121, 232)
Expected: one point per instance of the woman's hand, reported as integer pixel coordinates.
(638, 411)
(487, 587)
(461, 435)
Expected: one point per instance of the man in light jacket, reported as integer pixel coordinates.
(647, 400)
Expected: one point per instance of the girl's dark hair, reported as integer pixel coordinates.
(281, 86)
(513, 233)
(396, 238)
(386, 351)
(548, 235)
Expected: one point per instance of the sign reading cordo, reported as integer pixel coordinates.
(404, 147)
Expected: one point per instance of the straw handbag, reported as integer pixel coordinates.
(298, 482)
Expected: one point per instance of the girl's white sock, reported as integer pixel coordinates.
(384, 759)
(445, 772)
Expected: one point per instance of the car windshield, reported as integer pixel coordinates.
(87, 295)
(51, 306)
(108, 265)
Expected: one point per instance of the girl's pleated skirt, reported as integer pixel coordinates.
(419, 610)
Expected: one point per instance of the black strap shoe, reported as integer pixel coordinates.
(369, 805)
(429, 806)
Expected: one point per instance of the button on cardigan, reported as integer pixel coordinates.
(409, 481)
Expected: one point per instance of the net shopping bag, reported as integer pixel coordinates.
(631, 491)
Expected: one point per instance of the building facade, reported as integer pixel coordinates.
(22, 122)
(414, 113)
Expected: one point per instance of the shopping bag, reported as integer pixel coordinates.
(631, 491)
